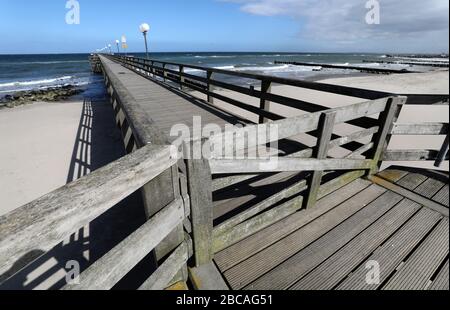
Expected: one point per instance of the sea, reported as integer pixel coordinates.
(30, 72)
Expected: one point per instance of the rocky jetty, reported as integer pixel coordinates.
(48, 95)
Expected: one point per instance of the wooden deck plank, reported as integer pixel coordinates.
(263, 239)
(287, 273)
(248, 194)
(441, 282)
(313, 254)
(412, 195)
(392, 175)
(256, 265)
(442, 196)
(394, 251)
(417, 271)
(411, 180)
(336, 268)
(429, 188)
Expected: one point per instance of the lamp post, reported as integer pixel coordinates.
(117, 44)
(144, 28)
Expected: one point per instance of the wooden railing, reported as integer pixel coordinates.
(46, 222)
(363, 161)
(207, 79)
(418, 129)
(210, 78)
(375, 119)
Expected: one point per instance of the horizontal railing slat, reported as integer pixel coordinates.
(420, 129)
(223, 182)
(114, 265)
(258, 208)
(255, 224)
(47, 221)
(281, 164)
(363, 149)
(411, 155)
(167, 271)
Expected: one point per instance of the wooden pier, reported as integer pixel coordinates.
(307, 220)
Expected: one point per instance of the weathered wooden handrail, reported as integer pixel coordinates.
(45, 222)
(114, 265)
(219, 166)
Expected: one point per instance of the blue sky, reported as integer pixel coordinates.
(225, 25)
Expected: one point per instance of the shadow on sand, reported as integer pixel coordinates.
(98, 143)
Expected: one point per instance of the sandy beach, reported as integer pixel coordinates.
(42, 145)
(36, 150)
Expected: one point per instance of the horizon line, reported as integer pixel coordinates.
(192, 52)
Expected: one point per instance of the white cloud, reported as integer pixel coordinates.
(343, 21)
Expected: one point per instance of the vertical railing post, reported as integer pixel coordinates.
(152, 69)
(181, 77)
(382, 138)
(209, 87)
(147, 67)
(442, 152)
(326, 125)
(266, 87)
(199, 180)
(164, 72)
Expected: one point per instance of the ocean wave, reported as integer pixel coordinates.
(271, 69)
(189, 70)
(36, 82)
(341, 64)
(214, 56)
(225, 67)
(43, 62)
(10, 91)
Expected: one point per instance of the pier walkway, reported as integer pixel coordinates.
(313, 220)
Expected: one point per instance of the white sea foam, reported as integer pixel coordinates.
(35, 82)
(29, 87)
(225, 67)
(271, 69)
(214, 56)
